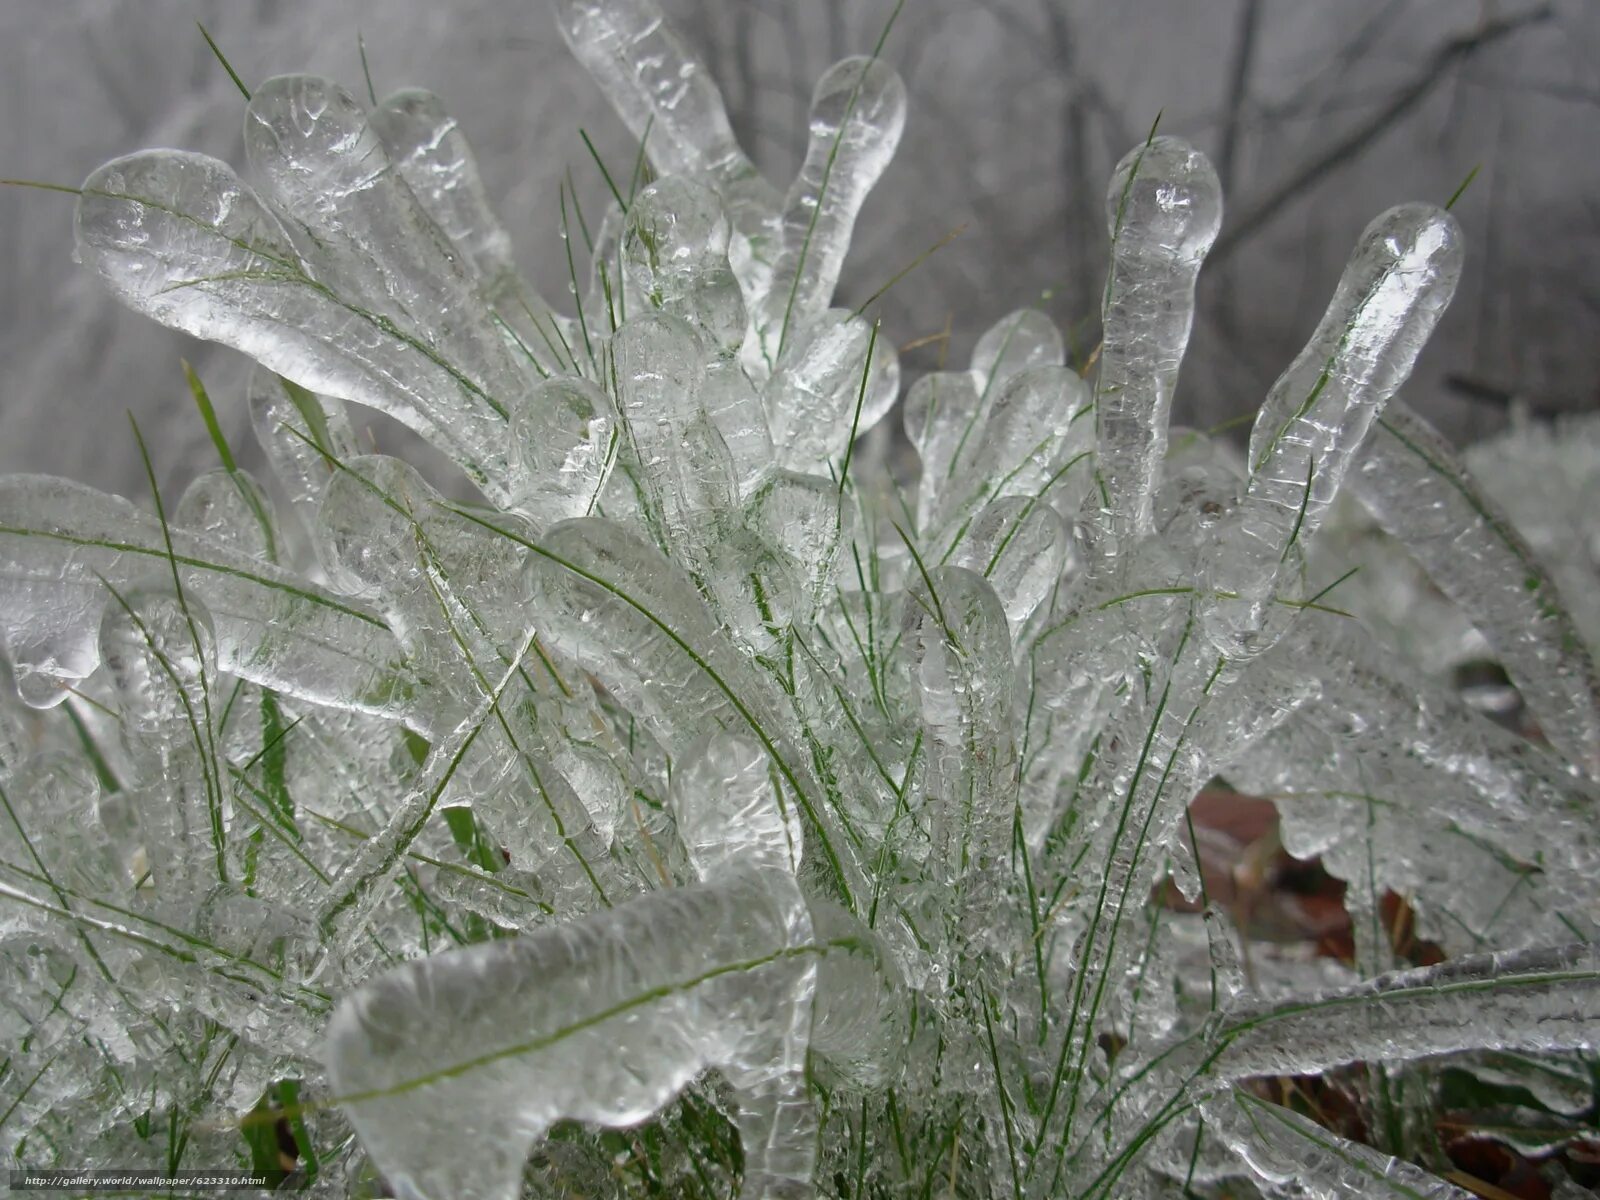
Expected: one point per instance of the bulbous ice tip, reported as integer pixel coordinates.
(675, 225)
(657, 352)
(154, 644)
(575, 402)
(1165, 199)
(1017, 342)
(867, 92)
(1421, 239)
(297, 124)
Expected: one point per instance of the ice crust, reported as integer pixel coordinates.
(701, 809)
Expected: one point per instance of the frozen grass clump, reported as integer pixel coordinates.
(700, 811)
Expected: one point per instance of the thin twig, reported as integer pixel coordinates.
(1455, 51)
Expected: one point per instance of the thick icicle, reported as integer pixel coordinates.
(1163, 210)
(667, 98)
(802, 518)
(366, 238)
(429, 150)
(448, 586)
(1393, 291)
(1523, 1000)
(622, 611)
(1019, 545)
(857, 114)
(160, 651)
(958, 648)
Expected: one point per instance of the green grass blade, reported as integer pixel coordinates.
(223, 59)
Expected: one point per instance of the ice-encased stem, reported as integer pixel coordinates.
(621, 610)
(1513, 1000)
(684, 471)
(61, 542)
(179, 238)
(601, 1020)
(301, 434)
(429, 150)
(1164, 208)
(1533, 1000)
(666, 97)
(433, 157)
(1416, 486)
(1282, 1146)
(858, 112)
(1401, 276)
(955, 631)
(355, 890)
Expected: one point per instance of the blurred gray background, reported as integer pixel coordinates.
(1318, 114)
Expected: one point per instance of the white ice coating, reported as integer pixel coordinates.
(704, 809)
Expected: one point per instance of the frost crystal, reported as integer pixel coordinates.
(700, 811)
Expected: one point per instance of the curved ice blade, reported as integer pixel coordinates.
(1393, 291)
(1164, 208)
(858, 111)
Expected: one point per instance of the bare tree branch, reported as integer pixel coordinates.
(1449, 55)
(1337, 66)
(1244, 53)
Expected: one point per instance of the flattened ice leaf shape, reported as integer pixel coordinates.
(61, 544)
(330, 276)
(605, 1019)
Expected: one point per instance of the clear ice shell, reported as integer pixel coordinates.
(61, 542)
(858, 111)
(605, 1019)
(1163, 211)
(584, 728)
(178, 237)
(1397, 284)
